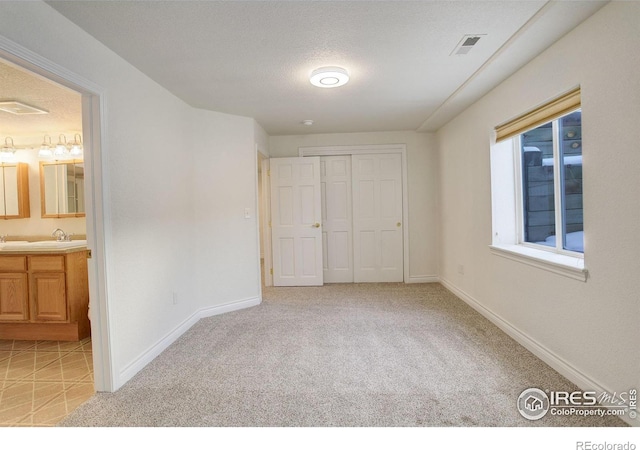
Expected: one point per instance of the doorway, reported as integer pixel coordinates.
(96, 216)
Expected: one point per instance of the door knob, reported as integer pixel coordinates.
(398, 224)
(316, 225)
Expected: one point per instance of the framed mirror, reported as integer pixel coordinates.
(14, 191)
(62, 189)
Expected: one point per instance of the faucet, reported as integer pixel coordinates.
(60, 235)
(3, 238)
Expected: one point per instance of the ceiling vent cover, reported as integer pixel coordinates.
(466, 44)
(19, 109)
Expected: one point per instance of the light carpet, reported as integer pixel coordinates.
(343, 355)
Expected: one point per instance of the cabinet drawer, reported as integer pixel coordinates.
(13, 263)
(53, 263)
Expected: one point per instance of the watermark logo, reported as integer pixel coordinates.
(533, 404)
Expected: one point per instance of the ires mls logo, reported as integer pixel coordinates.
(534, 404)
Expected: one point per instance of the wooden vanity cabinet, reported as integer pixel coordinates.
(14, 291)
(44, 296)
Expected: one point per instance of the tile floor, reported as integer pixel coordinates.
(43, 381)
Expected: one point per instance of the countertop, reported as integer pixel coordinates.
(41, 247)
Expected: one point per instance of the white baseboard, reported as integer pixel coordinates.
(152, 352)
(582, 380)
(228, 307)
(423, 279)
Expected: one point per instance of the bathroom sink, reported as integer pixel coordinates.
(3, 244)
(42, 245)
(57, 244)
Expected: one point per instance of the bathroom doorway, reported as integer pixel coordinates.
(92, 127)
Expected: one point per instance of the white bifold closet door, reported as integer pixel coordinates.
(377, 217)
(295, 221)
(337, 241)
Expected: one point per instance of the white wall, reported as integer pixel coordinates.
(227, 250)
(422, 185)
(591, 327)
(261, 139)
(178, 181)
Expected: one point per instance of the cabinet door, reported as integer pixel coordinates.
(49, 296)
(14, 297)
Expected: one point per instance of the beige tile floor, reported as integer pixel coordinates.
(43, 381)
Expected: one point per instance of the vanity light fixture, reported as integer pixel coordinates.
(62, 148)
(76, 147)
(329, 77)
(46, 149)
(8, 151)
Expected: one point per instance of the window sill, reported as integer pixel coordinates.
(565, 265)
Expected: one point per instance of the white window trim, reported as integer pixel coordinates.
(556, 260)
(566, 265)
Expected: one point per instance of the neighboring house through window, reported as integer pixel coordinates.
(551, 184)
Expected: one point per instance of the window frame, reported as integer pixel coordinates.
(558, 180)
(507, 240)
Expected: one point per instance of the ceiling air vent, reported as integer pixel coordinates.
(18, 108)
(466, 44)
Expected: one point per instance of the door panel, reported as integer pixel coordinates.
(335, 172)
(14, 297)
(49, 296)
(296, 216)
(377, 218)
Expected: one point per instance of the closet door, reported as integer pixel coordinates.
(377, 218)
(337, 242)
(296, 236)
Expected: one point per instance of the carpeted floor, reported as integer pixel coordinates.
(357, 355)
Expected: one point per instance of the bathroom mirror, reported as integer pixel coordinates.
(14, 191)
(62, 189)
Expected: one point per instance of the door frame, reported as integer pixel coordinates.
(98, 213)
(337, 150)
(264, 218)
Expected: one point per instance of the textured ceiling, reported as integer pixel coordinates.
(253, 58)
(64, 106)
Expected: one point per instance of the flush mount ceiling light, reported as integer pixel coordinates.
(19, 109)
(329, 77)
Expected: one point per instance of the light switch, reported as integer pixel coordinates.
(247, 213)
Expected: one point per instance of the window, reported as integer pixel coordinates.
(536, 184)
(551, 184)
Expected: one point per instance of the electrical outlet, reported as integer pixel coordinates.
(175, 298)
(460, 269)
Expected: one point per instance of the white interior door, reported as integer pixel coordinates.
(296, 233)
(377, 218)
(337, 241)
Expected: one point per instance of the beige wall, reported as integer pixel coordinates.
(590, 329)
(422, 185)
